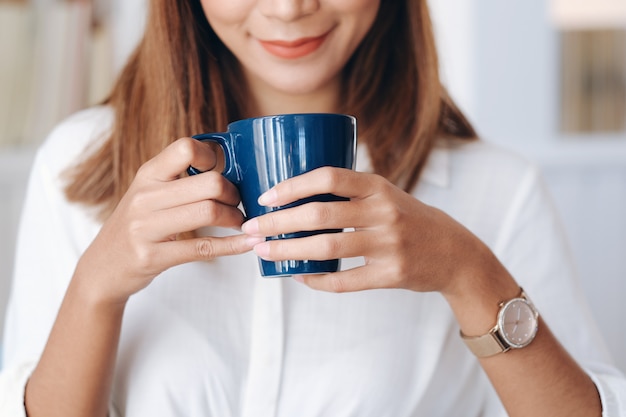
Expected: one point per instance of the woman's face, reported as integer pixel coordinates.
(291, 46)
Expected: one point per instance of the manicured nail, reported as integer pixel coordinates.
(299, 278)
(262, 250)
(252, 241)
(251, 227)
(268, 197)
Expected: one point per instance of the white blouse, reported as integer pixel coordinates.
(216, 339)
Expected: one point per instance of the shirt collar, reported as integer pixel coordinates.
(436, 171)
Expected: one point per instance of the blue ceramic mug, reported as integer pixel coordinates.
(263, 151)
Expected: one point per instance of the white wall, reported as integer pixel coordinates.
(456, 36)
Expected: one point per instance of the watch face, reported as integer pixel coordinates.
(518, 322)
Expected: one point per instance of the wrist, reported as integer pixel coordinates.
(88, 289)
(477, 291)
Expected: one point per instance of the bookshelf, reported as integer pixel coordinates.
(56, 60)
(585, 14)
(593, 65)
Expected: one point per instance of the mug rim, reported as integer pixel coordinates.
(293, 115)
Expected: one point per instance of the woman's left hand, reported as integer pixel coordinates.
(405, 243)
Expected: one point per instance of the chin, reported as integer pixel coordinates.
(304, 85)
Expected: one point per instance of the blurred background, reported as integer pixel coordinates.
(546, 78)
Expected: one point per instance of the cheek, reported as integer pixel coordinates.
(369, 10)
(363, 7)
(362, 13)
(228, 19)
(227, 11)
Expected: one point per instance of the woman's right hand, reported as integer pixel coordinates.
(140, 238)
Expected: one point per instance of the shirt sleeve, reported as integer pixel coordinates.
(51, 236)
(533, 247)
(35, 291)
(12, 383)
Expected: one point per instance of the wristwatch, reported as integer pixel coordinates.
(516, 327)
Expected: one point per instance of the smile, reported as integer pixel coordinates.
(293, 49)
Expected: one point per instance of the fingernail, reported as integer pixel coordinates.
(262, 250)
(268, 197)
(252, 241)
(251, 227)
(299, 278)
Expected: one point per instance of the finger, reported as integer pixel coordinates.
(327, 180)
(357, 279)
(177, 157)
(310, 216)
(210, 185)
(191, 217)
(318, 247)
(205, 248)
(207, 186)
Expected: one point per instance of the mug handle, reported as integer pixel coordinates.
(224, 140)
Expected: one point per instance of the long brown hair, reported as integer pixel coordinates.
(176, 83)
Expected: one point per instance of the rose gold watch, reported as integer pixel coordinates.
(515, 328)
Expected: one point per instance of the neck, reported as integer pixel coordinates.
(269, 101)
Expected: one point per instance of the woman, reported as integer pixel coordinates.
(439, 220)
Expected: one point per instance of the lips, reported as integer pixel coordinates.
(293, 49)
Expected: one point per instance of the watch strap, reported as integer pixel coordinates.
(486, 345)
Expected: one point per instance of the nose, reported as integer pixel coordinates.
(288, 10)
